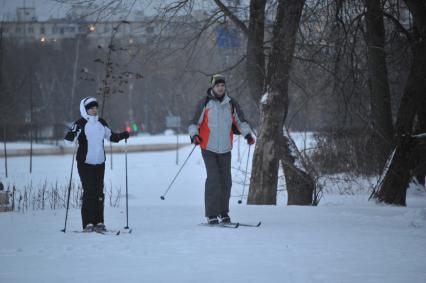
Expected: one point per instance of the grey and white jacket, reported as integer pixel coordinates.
(214, 120)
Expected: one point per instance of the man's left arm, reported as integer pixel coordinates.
(242, 124)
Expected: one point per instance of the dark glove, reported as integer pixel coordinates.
(124, 135)
(73, 131)
(75, 128)
(250, 139)
(196, 140)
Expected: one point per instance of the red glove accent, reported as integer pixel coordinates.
(250, 139)
(197, 140)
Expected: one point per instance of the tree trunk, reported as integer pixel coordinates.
(381, 116)
(419, 158)
(255, 51)
(274, 106)
(396, 178)
(420, 162)
(300, 185)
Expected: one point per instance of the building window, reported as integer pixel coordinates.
(70, 29)
(62, 30)
(30, 30)
(150, 29)
(55, 30)
(18, 30)
(42, 30)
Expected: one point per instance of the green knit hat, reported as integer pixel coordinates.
(216, 79)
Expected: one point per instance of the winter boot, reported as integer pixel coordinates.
(89, 228)
(212, 220)
(224, 218)
(100, 227)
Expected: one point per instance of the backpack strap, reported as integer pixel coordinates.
(206, 101)
(232, 105)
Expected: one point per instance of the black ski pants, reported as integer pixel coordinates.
(218, 183)
(92, 180)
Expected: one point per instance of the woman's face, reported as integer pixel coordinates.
(219, 89)
(93, 111)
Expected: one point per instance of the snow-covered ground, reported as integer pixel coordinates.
(344, 239)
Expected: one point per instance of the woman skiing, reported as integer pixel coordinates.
(90, 131)
(216, 118)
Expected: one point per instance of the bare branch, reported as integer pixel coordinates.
(233, 18)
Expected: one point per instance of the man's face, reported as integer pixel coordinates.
(93, 111)
(219, 89)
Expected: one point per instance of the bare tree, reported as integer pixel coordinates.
(274, 108)
(256, 72)
(396, 175)
(381, 116)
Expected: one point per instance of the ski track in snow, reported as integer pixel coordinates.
(344, 239)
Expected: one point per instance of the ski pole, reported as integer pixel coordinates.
(245, 176)
(127, 192)
(165, 193)
(69, 190)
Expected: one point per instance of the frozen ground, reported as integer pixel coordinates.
(344, 239)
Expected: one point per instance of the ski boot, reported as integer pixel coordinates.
(100, 228)
(212, 220)
(89, 228)
(224, 218)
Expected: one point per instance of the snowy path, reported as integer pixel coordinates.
(135, 144)
(345, 239)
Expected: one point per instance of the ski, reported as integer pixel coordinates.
(232, 225)
(126, 231)
(247, 224)
(107, 232)
(221, 225)
(115, 232)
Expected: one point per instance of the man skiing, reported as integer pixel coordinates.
(90, 131)
(216, 118)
